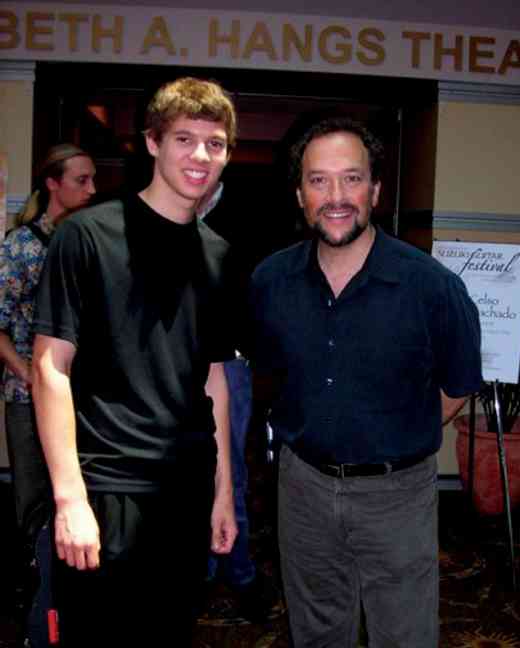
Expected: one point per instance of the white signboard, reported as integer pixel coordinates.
(491, 272)
(242, 39)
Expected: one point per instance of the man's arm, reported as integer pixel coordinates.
(18, 365)
(451, 406)
(76, 529)
(223, 525)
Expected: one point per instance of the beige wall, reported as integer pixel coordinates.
(477, 235)
(447, 457)
(16, 132)
(478, 149)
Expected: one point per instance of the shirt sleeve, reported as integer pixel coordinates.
(61, 292)
(458, 349)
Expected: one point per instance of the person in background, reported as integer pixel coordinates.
(256, 597)
(65, 183)
(133, 324)
(373, 345)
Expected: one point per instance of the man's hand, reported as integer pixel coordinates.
(77, 535)
(451, 407)
(223, 524)
(23, 371)
(16, 363)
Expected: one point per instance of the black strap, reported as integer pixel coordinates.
(39, 233)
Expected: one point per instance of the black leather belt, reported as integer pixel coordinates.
(344, 470)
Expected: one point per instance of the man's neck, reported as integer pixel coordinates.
(178, 210)
(56, 213)
(341, 264)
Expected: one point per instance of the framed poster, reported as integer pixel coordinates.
(491, 272)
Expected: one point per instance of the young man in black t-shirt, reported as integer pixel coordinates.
(129, 388)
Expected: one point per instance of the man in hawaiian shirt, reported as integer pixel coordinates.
(66, 183)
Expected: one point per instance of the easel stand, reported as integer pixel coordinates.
(503, 470)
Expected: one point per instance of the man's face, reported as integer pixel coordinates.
(337, 193)
(75, 188)
(189, 159)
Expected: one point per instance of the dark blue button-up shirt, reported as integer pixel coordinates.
(360, 375)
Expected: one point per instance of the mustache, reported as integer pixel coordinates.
(330, 206)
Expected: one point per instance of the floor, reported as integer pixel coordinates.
(478, 608)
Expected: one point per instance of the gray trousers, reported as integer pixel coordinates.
(363, 540)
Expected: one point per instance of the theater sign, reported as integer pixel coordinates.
(165, 36)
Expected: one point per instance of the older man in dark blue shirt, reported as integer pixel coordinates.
(375, 345)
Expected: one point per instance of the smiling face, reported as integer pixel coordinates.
(189, 159)
(337, 193)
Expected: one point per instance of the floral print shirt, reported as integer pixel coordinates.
(21, 260)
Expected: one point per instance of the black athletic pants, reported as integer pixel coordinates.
(153, 564)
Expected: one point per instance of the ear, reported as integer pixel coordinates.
(52, 184)
(300, 198)
(151, 145)
(376, 190)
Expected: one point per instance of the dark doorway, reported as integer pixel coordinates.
(100, 107)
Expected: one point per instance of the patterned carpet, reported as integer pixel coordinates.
(478, 607)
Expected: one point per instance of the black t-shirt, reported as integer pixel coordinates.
(148, 303)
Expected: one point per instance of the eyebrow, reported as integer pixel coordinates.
(356, 169)
(184, 131)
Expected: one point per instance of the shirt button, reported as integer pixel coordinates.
(329, 303)
(331, 343)
(329, 381)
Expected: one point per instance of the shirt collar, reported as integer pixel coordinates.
(46, 224)
(382, 262)
(212, 202)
